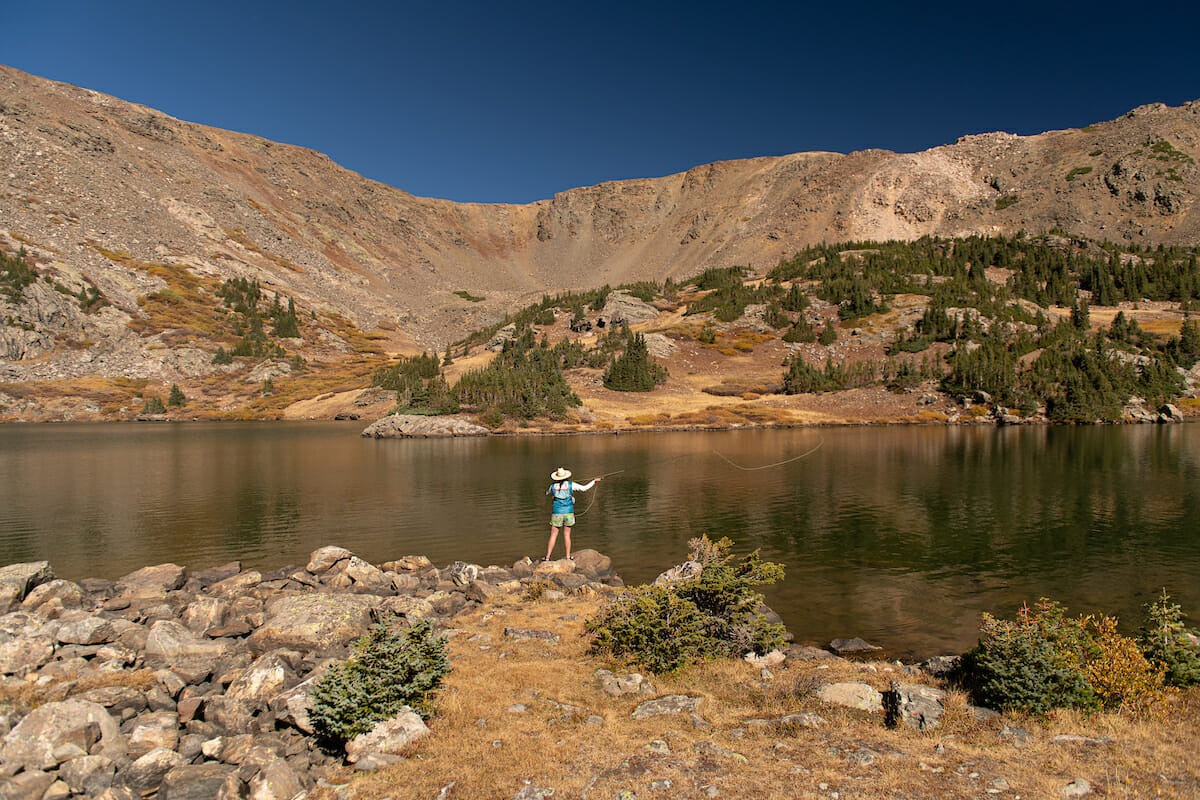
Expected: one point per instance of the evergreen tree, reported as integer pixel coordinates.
(634, 370)
(176, 398)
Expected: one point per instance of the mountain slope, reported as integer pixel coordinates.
(118, 197)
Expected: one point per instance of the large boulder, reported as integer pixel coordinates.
(314, 623)
(388, 737)
(150, 582)
(414, 426)
(194, 781)
(622, 307)
(16, 580)
(25, 653)
(33, 742)
(914, 705)
(860, 696)
(173, 646)
(266, 678)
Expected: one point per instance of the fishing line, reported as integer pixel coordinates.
(594, 496)
(769, 466)
(717, 453)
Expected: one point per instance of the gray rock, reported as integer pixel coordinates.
(1080, 787)
(681, 572)
(88, 775)
(531, 792)
(236, 585)
(173, 646)
(194, 781)
(29, 785)
(22, 578)
(266, 678)
(152, 731)
(153, 581)
(798, 652)
(462, 573)
(618, 685)
(324, 559)
(411, 608)
(205, 613)
(229, 715)
(622, 307)
(313, 623)
(147, 772)
(411, 426)
(858, 696)
(19, 656)
(803, 719)
(667, 705)
(117, 699)
(276, 780)
(917, 706)
(854, 645)
(388, 737)
(940, 666)
(66, 593)
(526, 635)
(593, 564)
(33, 741)
(85, 629)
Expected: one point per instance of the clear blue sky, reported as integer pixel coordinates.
(514, 101)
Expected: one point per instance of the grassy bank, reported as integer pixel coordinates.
(522, 713)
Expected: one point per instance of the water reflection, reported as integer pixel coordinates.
(902, 536)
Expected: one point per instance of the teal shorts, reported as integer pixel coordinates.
(562, 520)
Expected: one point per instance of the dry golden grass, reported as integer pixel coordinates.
(584, 744)
(68, 684)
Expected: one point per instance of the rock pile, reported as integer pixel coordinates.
(194, 684)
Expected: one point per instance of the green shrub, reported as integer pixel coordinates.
(1044, 660)
(665, 628)
(176, 398)
(389, 668)
(1170, 644)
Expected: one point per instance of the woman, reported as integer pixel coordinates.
(563, 513)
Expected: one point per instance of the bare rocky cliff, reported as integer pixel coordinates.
(100, 191)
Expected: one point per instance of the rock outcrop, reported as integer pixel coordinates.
(196, 684)
(412, 426)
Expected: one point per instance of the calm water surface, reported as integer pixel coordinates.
(901, 536)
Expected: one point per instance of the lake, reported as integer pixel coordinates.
(902, 536)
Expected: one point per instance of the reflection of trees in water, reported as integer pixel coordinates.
(259, 514)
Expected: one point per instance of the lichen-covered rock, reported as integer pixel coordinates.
(313, 623)
(411, 426)
(668, 705)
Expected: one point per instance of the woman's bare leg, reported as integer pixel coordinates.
(554, 538)
(567, 540)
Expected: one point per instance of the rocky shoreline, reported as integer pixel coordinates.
(194, 684)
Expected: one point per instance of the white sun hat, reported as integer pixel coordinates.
(560, 474)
